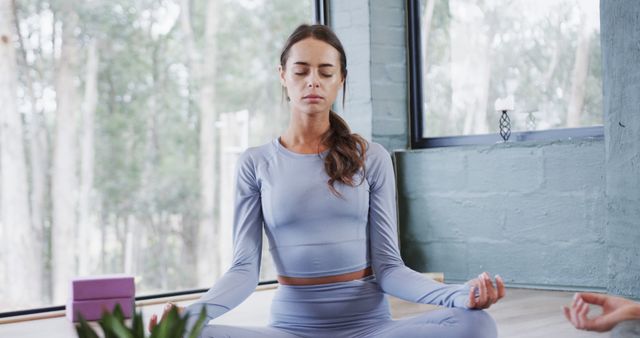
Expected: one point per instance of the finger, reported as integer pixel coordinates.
(488, 286)
(567, 313)
(572, 313)
(574, 317)
(492, 294)
(580, 310)
(501, 289)
(594, 298)
(574, 310)
(166, 310)
(153, 322)
(472, 297)
(582, 313)
(574, 300)
(581, 303)
(482, 302)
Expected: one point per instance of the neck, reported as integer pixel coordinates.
(305, 132)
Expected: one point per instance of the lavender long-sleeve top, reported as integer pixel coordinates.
(312, 232)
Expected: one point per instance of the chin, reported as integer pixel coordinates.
(313, 109)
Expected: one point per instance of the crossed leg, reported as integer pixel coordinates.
(445, 323)
(227, 331)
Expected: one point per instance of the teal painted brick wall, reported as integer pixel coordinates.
(533, 212)
(620, 32)
(350, 21)
(389, 74)
(373, 34)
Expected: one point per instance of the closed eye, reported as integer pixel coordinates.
(305, 73)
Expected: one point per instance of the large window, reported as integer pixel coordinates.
(125, 122)
(466, 54)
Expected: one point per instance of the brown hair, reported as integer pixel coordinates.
(346, 150)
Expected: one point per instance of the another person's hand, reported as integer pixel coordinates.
(165, 311)
(614, 310)
(483, 293)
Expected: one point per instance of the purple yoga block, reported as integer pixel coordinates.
(101, 287)
(93, 309)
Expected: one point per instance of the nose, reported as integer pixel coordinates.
(313, 81)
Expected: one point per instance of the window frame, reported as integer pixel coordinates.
(416, 113)
(320, 15)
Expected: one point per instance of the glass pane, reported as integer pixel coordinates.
(131, 116)
(545, 54)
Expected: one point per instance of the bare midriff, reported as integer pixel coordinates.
(345, 277)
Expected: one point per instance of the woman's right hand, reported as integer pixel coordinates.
(614, 310)
(482, 292)
(165, 311)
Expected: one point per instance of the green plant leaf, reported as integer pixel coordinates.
(113, 324)
(117, 312)
(114, 327)
(85, 330)
(197, 327)
(137, 327)
(106, 323)
(162, 329)
(172, 322)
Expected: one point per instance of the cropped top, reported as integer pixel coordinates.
(312, 232)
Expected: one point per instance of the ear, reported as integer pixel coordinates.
(281, 71)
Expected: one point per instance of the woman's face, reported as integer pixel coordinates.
(312, 76)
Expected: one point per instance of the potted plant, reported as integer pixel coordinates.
(113, 325)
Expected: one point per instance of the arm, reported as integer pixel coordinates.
(241, 279)
(393, 276)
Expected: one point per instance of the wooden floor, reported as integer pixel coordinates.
(522, 314)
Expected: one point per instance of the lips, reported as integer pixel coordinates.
(312, 97)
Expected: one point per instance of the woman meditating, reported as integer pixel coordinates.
(326, 199)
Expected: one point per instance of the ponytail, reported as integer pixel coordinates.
(346, 154)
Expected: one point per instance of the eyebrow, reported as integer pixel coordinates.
(301, 63)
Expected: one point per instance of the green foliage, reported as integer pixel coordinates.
(146, 149)
(113, 325)
(529, 56)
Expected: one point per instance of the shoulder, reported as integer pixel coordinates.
(376, 153)
(254, 157)
(257, 154)
(250, 163)
(376, 148)
(378, 163)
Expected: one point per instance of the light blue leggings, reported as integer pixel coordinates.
(356, 308)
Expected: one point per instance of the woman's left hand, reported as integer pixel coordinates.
(165, 311)
(482, 292)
